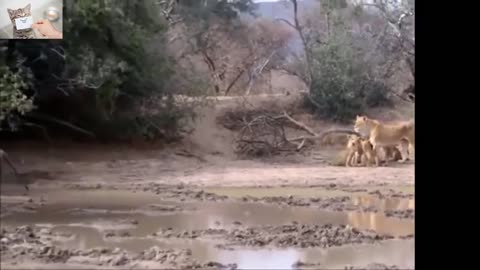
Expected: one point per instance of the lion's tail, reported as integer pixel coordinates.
(346, 131)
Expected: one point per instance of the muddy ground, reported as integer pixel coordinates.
(195, 206)
(179, 212)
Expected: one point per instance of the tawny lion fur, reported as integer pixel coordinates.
(359, 150)
(354, 151)
(384, 135)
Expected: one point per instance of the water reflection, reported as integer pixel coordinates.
(261, 259)
(110, 212)
(208, 215)
(384, 204)
(397, 252)
(380, 223)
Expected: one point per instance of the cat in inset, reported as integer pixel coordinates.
(21, 13)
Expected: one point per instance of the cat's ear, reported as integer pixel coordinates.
(27, 8)
(10, 12)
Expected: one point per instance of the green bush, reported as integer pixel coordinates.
(343, 83)
(13, 102)
(110, 61)
(111, 75)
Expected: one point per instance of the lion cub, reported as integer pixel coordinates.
(393, 154)
(354, 150)
(360, 150)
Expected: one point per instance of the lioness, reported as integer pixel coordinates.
(381, 135)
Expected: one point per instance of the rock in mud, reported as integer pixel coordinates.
(209, 266)
(373, 266)
(30, 243)
(337, 204)
(406, 214)
(333, 204)
(377, 193)
(158, 254)
(164, 208)
(129, 221)
(290, 235)
(33, 243)
(120, 260)
(180, 192)
(116, 234)
(409, 236)
(301, 265)
(169, 233)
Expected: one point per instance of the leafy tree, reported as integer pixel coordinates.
(212, 29)
(13, 102)
(341, 75)
(111, 60)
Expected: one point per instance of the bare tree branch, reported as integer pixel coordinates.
(298, 28)
(256, 71)
(300, 124)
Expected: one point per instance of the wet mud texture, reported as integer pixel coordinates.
(25, 243)
(340, 204)
(372, 266)
(178, 192)
(408, 213)
(182, 193)
(289, 235)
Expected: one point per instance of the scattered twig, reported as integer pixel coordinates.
(185, 153)
(301, 144)
(60, 122)
(42, 128)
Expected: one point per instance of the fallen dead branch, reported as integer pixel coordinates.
(263, 133)
(299, 124)
(301, 145)
(185, 153)
(5, 159)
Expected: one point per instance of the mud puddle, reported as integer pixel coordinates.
(145, 213)
(314, 191)
(390, 252)
(238, 192)
(398, 202)
(127, 220)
